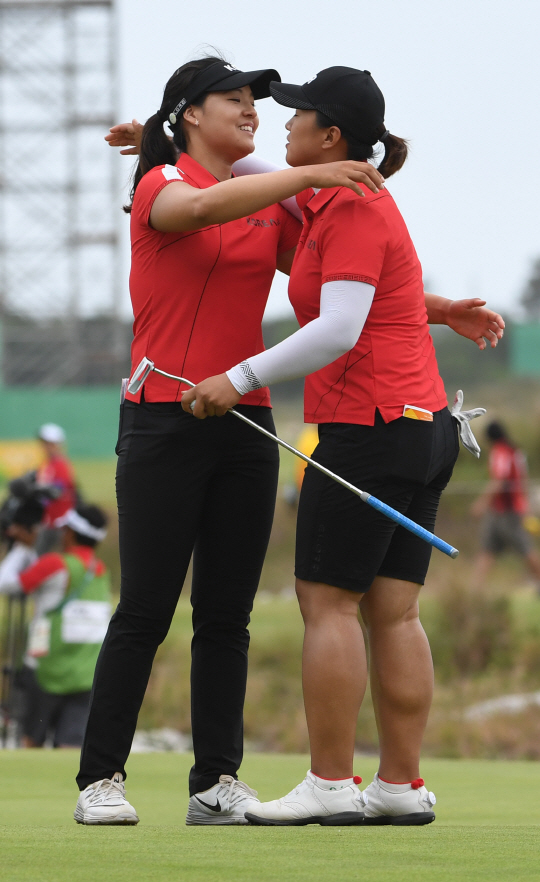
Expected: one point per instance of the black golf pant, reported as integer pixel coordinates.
(184, 486)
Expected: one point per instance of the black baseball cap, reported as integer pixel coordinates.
(222, 77)
(350, 98)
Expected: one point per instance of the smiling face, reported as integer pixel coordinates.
(308, 144)
(226, 123)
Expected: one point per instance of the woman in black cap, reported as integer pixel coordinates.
(373, 387)
(204, 252)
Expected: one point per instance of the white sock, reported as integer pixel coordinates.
(336, 783)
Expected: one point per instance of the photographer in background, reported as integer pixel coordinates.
(56, 473)
(20, 524)
(72, 608)
(20, 518)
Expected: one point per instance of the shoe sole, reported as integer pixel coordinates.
(118, 821)
(343, 819)
(213, 821)
(108, 823)
(416, 819)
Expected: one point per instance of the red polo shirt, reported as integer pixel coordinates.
(199, 297)
(508, 465)
(58, 471)
(393, 363)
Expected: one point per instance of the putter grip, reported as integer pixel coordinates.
(403, 521)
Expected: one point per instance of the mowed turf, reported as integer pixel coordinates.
(487, 827)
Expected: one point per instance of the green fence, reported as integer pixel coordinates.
(89, 416)
(525, 350)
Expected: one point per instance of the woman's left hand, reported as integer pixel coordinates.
(212, 397)
(471, 318)
(125, 135)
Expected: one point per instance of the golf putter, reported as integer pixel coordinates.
(145, 368)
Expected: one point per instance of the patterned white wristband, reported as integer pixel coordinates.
(243, 378)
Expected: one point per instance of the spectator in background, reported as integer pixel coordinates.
(503, 506)
(21, 534)
(56, 472)
(71, 614)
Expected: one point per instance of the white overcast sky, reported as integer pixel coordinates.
(461, 81)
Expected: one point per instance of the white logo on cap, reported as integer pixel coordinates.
(311, 80)
(230, 67)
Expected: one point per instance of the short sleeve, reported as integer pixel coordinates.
(148, 188)
(353, 242)
(289, 231)
(44, 568)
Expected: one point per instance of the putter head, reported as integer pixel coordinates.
(139, 375)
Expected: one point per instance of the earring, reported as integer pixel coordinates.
(196, 122)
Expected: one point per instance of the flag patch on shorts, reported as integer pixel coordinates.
(417, 413)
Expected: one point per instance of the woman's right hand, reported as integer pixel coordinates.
(346, 173)
(126, 135)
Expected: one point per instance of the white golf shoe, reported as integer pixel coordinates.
(311, 804)
(104, 802)
(398, 804)
(224, 803)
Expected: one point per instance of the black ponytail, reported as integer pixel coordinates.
(395, 149)
(156, 147)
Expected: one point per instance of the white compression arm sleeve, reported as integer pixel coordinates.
(344, 309)
(254, 165)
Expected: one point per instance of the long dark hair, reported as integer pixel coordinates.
(395, 149)
(156, 147)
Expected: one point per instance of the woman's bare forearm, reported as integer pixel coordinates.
(176, 211)
(437, 308)
(183, 208)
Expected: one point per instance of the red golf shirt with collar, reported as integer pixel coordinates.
(393, 363)
(199, 297)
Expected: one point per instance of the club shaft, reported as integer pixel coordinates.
(375, 503)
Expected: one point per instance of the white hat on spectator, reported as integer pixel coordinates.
(52, 433)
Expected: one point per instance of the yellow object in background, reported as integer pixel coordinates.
(306, 443)
(18, 457)
(532, 525)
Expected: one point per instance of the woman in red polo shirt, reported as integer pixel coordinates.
(373, 386)
(204, 251)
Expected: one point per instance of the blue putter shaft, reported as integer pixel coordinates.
(146, 366)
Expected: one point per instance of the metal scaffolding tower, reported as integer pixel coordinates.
(59, 196)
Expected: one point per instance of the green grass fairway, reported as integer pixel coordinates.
(487, 828)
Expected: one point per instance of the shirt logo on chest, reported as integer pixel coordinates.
(261, 222)
(311, 244)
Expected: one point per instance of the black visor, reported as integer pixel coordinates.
(222, 77)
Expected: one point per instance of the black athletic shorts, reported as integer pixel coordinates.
(406, 463)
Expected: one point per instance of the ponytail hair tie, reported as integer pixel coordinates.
(384, 136)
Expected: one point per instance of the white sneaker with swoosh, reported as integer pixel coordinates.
(224, 803)
(104, 802)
